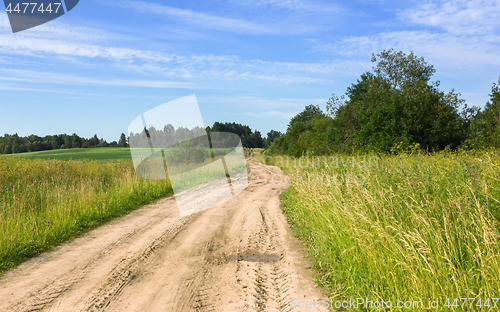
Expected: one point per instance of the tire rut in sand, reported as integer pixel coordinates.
(199, 293)
(237, 256)
(262, 268)
(44, 296)
(126, 269)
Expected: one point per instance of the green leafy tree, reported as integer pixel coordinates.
(279, 146)
(306, 115)
(302, 122)
(485, 123)
(7, 149)
(401, 71)
(397, 103)
(18, 148)
(249, 138)
(271, 136)
(123, 141)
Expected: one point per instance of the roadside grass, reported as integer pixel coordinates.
(102, 154)
(46, 202)
(406, 227)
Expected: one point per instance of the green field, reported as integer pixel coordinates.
(49, 197)
(407, 227)
(46, 202)
(98, 154)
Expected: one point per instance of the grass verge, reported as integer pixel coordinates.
(46, 202)
(406, 227)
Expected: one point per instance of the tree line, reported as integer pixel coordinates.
(249, 138)
(10, 144)
(393, 107)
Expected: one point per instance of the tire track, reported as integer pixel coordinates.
(237, 256)
(45, 295)
(128, 267)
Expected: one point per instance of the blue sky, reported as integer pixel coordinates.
(256, 62)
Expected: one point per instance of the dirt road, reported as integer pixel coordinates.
(237, 256)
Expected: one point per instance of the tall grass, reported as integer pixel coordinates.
(46, 202)
(406, 227)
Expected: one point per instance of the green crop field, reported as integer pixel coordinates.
(98, 154)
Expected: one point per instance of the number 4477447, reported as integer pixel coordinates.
(29, 8)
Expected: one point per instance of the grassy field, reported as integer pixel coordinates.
(99, 154)
(49, 197)
(408, 227)
(46, 202)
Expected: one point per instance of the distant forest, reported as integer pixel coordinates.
(12, 144)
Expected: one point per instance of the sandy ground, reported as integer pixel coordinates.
(237, 256)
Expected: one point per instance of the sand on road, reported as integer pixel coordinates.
(237, 256)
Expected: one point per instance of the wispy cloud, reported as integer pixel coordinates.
(458, 52)
(63, 31)
(196, 18)
(302, 6)
(460, 17)
(270, 106)
(202, 20)
(45, 90)
(193, 67)
(27, 45)
(278, 114)
(43, 77)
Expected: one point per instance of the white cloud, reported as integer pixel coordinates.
(42, 77)
(271, 107)
(460, 17)
(269, 24)
(85, 46)
(27, 45)
(457, 52)
(62, 31)
(196, 18)
(278, 114)
(302, 6)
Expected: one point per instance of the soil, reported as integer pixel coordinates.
(237, 256)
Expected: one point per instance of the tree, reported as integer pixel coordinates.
(18, 148)
(396, 104)
(402, 71)
(485, 123)
(300, 123)
(255, 140)
(271, 136)
(7, 149)
(77, 141)
(306, 115)
(57, 141)
(94, 141)
(123, 141)
(249, 138)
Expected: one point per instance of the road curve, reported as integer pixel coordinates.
(237, 256)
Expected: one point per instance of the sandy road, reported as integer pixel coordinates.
(237, 256)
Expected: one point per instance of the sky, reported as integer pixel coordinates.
(255, 62)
